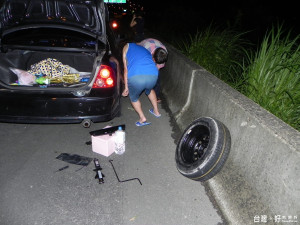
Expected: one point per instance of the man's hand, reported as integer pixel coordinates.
(125, 92)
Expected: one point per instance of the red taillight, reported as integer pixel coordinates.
(114, 25)
(104, 78)
(104, 73)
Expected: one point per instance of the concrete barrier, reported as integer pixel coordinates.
(260, 180)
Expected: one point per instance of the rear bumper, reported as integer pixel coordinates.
(57, 110)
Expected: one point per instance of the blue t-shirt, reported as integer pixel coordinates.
(139, 61)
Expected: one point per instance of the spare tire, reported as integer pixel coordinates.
(203, 149)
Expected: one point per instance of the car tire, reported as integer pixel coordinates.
(203, 149)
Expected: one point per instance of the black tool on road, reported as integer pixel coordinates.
(63, 168)
(118, 177)
(98, 169)
(75, 159)
(109, 130)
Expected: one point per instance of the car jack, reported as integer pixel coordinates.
(98, 169)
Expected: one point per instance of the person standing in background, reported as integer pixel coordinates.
(137, 24)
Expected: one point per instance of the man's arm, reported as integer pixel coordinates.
(126, 91)
(133, 22)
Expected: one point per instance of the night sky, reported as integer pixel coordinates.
(253, 9)
(256, 16)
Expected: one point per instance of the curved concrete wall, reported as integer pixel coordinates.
(261, 175)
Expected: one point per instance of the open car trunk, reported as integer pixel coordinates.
(55, 43)
(63, 69)
(56, 63)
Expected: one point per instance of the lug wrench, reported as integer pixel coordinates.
(118, 177)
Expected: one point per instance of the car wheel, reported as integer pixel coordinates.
(203, 149)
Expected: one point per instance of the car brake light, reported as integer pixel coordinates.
(104, 78)
(104, 73)
(114, 25)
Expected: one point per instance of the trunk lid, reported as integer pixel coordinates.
(88, 15)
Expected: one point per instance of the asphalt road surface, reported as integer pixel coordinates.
(34, 192)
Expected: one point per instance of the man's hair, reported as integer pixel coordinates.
(160, 55)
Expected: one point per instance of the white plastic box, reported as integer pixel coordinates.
(103, 144)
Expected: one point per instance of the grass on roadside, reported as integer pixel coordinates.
(219, 52)
(270, 76)
(274, 76)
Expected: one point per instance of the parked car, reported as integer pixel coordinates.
(57, 62)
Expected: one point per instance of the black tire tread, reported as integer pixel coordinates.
(218, 153)
(220, 161)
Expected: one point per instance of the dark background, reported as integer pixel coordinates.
(252, 16)
(186, 17)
